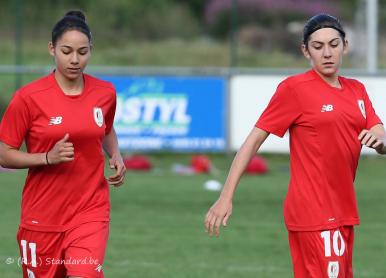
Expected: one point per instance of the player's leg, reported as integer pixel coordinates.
(348, 234)
(41, 254)
(299, 250)
(85, 248)
(322, 253)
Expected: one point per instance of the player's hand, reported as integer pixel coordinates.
(63, 151)
(218, 215)
(371, 140)
(116, 162)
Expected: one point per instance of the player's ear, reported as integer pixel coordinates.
(305, 51)
(345, 47)
(51, 49)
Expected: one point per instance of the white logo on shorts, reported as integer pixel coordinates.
(98, 116)
(99, 268)
(333, 269)
(30, 274)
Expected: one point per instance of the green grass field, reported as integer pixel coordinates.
(157, 223)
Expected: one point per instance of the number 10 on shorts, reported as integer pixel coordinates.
(336, 239)
(32, 247)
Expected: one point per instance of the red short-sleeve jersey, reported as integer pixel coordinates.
(59, 197)
(324, 123)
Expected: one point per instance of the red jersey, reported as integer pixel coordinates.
(59, 197)
(324, 123)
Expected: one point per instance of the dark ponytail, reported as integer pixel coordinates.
(320, 21)
(72, 20)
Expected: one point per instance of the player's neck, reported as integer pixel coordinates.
(70, 86)
(332, 80)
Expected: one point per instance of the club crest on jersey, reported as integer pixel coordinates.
(361, 105)
(98, 116)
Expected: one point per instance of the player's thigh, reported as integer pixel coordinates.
(320, 254)
(41, 254)
(85, 249)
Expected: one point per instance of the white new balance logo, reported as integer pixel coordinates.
(327, 108)
(55, 120)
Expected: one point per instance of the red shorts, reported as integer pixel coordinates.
(77, 252)
(322, 254)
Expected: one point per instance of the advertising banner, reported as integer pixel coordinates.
(170, 113)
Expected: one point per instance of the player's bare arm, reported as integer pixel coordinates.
(221, 210)
(11, 157)
(110, 145)
(374, 138)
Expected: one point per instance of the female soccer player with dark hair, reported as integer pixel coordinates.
(329, 118)
(65, 118)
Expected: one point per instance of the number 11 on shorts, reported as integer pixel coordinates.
(336, 239)
(32, 247)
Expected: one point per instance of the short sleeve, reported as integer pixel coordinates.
(111, 113)
(372, 118)
(15, 122)
(281, 112)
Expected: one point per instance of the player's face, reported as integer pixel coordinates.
(325, 51)
(71, 52)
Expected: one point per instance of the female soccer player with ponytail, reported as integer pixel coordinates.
(329, 118)
(65, 118)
